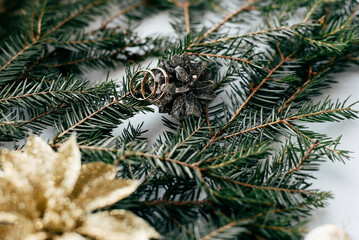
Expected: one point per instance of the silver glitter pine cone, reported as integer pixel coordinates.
(188, 84)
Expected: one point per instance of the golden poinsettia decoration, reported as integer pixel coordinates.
(50, 195)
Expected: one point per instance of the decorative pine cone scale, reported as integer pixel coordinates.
(188, 84)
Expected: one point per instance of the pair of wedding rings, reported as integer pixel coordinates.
(134, 88)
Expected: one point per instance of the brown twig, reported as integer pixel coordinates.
(264, 187)
(140, 154)
(233, 160)
(219, 56)
(95, 148)
(119, 13)
(17, 55)
(130, 170)
(92, 59)
(207, 117)
(175, 203)
(307, 137)
(311, 75)
(315, 5)
(29, 68)
(81, 41)
(346, 24)
(296, 168)
(39, 24)
(117, 101)
(34, 118)
(229, 17)
(189, 137)
(299, 90)
(60, 24)
(284, 120)
(176, 3)
(234, 223)
(50, 32)
(283, 60)
(188, 232)
(248, 34)
(41, 93)
(186, 5)
(255, 90)
(353, 58)
(277, 228)
(218, 157)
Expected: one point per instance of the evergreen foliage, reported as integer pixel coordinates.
(243, 170)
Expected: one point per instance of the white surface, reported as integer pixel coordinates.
(340, 179)
(327, 232)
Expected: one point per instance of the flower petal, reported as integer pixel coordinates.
(104, 193)
(17, 198)
(70, 236)
(36, 163)
(40, 150)
(117, 224)
(33, 166)
(67, 165)
(92, 173)
(52, 175)
(8, 218)
(20, 229)
(37, 236)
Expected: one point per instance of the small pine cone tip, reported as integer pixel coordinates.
(188, 84)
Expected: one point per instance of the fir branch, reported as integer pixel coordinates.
(37, 41)
(220, 56)
(262, 187)
(189, 137)
(219, 132)
(246, 7)
(166, 159)
(119, 13)
(251, 34)
(74, 15)
(17, 55)
(63, 133)
(311, 11)
(234, 223)
(307, 155)
(176, 203)
(346, 25)
(340, 154)
(279, 121)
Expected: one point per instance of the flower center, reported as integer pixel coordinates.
(61, 215)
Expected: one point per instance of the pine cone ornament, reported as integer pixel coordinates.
(188, 84)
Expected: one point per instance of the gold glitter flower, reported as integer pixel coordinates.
(50, 195)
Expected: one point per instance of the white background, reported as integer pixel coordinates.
(340, 179)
